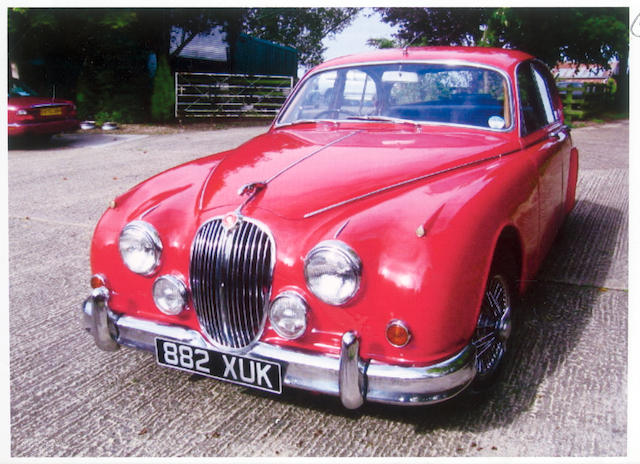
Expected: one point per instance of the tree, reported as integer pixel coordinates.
(301, 28)
(383, 43)
(101, 55)
(436, 26)
(580, 35)
(109, 50)
(39, 34)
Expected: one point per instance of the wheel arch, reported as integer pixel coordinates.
(508, 251)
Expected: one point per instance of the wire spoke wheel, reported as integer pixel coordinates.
(493, 328)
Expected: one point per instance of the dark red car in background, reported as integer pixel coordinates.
(32, 115)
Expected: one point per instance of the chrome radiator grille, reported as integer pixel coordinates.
(230, 276)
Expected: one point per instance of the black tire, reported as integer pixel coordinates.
(495, 324)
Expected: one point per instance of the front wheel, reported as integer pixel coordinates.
(493, 329)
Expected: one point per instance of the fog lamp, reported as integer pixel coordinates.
(398, 333)
(288, 315)
(169, 294)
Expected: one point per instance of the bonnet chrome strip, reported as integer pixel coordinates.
(295, 163)
(406, 182)
(255, 187)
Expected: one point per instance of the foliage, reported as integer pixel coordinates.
(383, 43)
(98, 56)
(300, 28)
(101, 50)
(580, 35)
(436, 26)
(587, 35)
(163, 96)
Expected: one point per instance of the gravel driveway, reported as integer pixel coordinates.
(564, 392)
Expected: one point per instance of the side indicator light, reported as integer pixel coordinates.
(98, 281)
(398, 333)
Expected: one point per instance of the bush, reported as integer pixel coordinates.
(114, 88)
(163, 96)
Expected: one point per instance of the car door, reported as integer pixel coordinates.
(546, 140)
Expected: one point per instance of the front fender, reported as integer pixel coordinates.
(427, 253)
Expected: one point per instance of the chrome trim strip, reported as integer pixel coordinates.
(50, 105)
(205, 184)
(472, 64)
(265, 183)
(144, 213)
(318, 150)
(342, 227)
(403, 183)
(374, 381)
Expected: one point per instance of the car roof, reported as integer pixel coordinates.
(497, 57)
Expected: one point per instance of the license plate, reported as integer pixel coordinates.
(241, 370)
(56, 111)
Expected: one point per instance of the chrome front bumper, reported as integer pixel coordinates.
(348, 376)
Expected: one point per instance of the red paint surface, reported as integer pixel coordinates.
(463, 186)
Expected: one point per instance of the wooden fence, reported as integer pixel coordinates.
(208, 95)
(583, 100)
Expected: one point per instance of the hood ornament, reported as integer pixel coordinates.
(252, 188)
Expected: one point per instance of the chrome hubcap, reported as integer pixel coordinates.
(494, 326)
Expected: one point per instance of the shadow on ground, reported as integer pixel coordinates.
(66, 141)
(554, 315)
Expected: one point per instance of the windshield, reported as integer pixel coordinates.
(20, 89)
(419, 92)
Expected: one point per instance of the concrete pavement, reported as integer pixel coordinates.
(564, 391)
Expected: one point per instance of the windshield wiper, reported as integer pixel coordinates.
(307, 121)
(384, 119)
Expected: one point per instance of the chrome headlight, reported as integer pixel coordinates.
(140, 247)
(169, 294)
(332, 271)
(288, 315)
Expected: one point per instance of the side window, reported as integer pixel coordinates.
(551, 91)
(532, 107)
(547, 102)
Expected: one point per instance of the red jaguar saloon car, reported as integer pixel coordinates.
(370, 245)
(32, 115)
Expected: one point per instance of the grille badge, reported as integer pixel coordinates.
(230, 221)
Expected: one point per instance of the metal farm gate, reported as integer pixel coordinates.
(210, 95)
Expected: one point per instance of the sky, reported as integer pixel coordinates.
(353, 39)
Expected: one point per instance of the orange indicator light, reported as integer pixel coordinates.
(98, 281)
(398, 334)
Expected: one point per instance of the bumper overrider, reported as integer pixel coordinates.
(348, 376)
